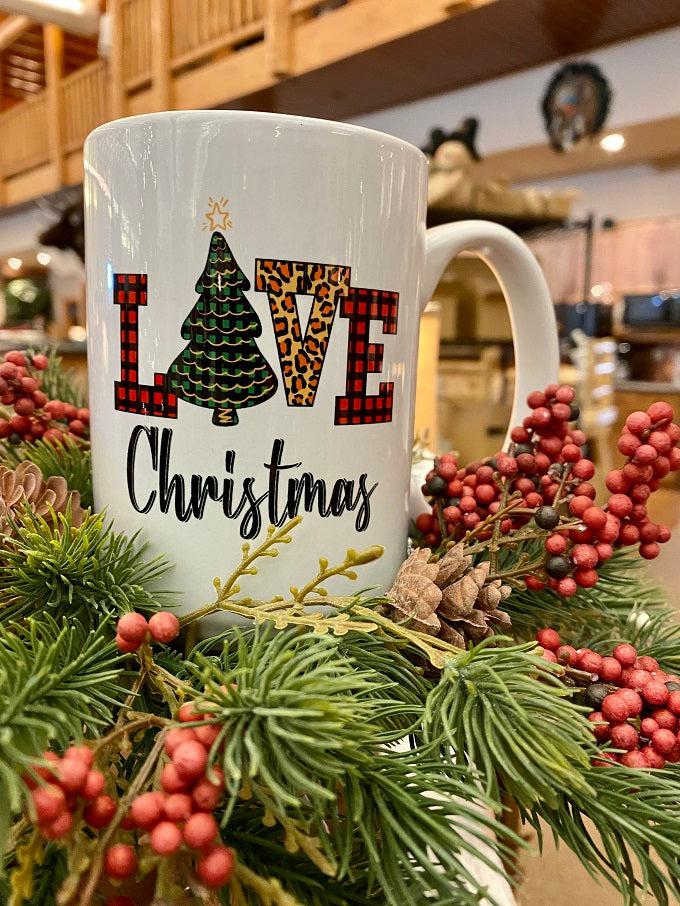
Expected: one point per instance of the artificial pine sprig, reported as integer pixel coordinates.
(55, 682)
(86, 572)
(505, 712)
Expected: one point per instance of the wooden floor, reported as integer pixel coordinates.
(557, 877)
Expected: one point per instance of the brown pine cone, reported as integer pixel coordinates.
(26, 485)
(451, 599)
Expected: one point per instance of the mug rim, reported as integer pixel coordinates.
(143, 119)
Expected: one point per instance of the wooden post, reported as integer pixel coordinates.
(2, 160)
(117, 92)
(278, 34)
(161, 53)
(53, 40)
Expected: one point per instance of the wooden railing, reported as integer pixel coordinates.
(84, 103)
(203, 27)
(24, 142)
(136, 51)
(164, 54)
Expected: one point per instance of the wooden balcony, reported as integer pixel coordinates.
(301, 56)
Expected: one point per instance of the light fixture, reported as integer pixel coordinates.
(44, 258)
(613, 142)
(14, 263)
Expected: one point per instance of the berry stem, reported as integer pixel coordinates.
(137, 784)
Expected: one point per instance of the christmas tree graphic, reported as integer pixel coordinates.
(222, 368)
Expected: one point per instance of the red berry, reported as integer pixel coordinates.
(625, 654)
(100, 813)
(655, 693)
(586, 578)
(132, 627)
(567, 587)
(425, 523)
(648, 725)
(549, 656)
(49, 802)
(16, 358)
(59, 828)
(81, 753)
(629, 534)
(188, 714)
(561, 413)
(507, 466)
(632, 700)
(660, 441)
(207, 734)
(645, 454)
(615, 708)
(628, 444)
(647, 663)
(206, 795)
(548, 638)
(147, 810)
(617, 482)
(663, 741)
(604, 551)
(190, 759)
(649, 551)
(589, 661)
(594, 517)
(601, 727)
(565, 394)
(71, 774)
(578, 505)
(556, 544)
(583, 469)
(536, 399)
(165, 838)
(177, 736)
(164, 626)
(566, 654)
(665, 718)
(446, 470)
(94, 784)
(610, 670)
(571, 453)
(638, 679)
(215, 868)
(171, 781)
(584, 556)
(624, 736)
(534, 584)
(653, 758)
(634, 759)
(126, 647)
(620, 505)
(638, 422)
(673, 703)
(200, 830)
(178, 807)
(120, 861)
(659, 412)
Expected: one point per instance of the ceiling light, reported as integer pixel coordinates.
(14, 263)
(613, 142)
(44, 258)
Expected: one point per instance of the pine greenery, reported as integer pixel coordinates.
(87, 573)
(327, 805)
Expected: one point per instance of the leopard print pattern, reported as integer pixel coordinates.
(301, 357)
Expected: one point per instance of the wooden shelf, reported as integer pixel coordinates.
(519, 224)
(647, 336)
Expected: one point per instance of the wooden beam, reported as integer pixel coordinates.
(117, 95)
(278, 35)
(13, 28)
(161, 54)
(54, 60)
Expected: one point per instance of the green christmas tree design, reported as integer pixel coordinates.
(222, 367)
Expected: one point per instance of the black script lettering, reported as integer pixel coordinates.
(152, 436)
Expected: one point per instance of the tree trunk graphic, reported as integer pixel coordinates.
(222, 367)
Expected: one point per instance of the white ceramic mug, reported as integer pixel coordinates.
(255, 283)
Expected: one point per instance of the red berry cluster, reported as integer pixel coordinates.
(133, 629)
(649, 440)
(35, 415)
(545, 469)
(637, 704)
(63, 786)
(181, 814)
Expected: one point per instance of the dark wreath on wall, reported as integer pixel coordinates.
(576, 104)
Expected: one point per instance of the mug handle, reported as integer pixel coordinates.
(532, 316)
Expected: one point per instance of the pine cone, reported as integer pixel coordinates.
(451, 599)
(26, 485)
(414, 592)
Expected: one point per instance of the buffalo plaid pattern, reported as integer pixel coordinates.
(130, 293)
(361, 306)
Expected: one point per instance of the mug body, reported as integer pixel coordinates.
(253, 315)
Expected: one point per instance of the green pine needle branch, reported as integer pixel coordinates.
(85, 572)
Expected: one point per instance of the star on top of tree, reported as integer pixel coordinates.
(217, 215)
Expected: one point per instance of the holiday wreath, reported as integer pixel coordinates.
(521, 651)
